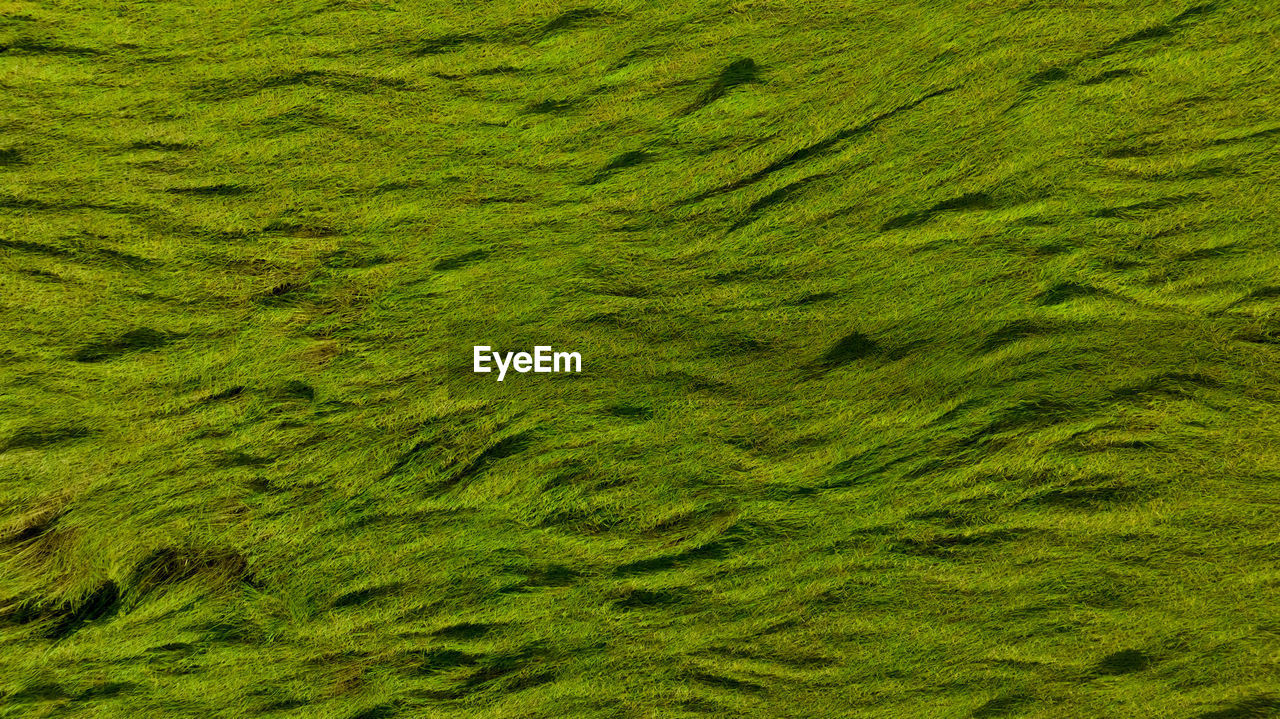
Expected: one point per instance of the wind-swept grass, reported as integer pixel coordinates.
(930, 359)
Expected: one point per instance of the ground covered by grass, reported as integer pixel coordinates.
(930, 359)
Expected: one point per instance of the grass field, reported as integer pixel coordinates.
(930, 359)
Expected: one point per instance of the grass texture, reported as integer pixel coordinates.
(930, 359)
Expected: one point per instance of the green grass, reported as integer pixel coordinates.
(930, 359)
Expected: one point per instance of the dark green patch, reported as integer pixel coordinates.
(965, 202)
(620, 162)
(465, 630)
(630, 411)
(296, 389)
(102, 603)
(1258, 707)
(548, 106)
(1109, 76)
(161, 145)
(443, 44)
(33, 437)
(135, 340)
(459, 261)
(1066, 292)
(442, 660)
(1013, 331)
(1001, 706)
(1125, 661)
(214, 190)
(853, 346)
(1045, 77)
(360, 597)
(573, 18)
(739, 72)
(650, 599)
